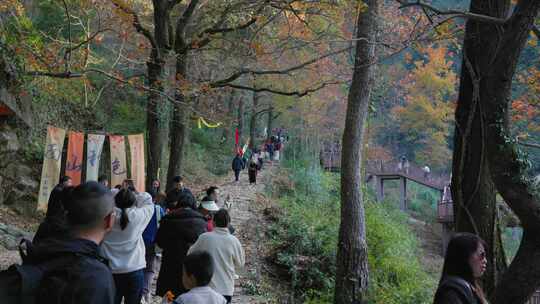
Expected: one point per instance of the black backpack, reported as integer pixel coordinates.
(26, 283)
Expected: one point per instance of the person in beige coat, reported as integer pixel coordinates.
(226, 251)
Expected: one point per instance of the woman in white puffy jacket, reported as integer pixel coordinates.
(124, 245)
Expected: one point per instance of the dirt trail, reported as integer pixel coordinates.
(247, 215)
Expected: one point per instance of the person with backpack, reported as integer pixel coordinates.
(67, 269)
(464, 264)
(226, 251)
(149, 237)
(178, 230)
(124, 245)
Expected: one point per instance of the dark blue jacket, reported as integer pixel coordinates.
(237, 163)
(87, 277)
(149, 234)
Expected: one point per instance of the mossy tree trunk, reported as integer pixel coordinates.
(352, 257)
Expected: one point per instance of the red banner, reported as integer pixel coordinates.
(75, 157)
(236, 137)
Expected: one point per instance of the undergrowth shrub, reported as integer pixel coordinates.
(305, 239)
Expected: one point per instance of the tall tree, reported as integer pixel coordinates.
(490, 55)
(473, 191)
(352, 268)
(253, 120)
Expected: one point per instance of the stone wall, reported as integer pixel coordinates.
(11, 236)
(18, 181)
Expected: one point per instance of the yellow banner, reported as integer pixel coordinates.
(50, 173)
(136, 145)
(201, 121)
(118, 159)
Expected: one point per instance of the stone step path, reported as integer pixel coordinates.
(247, 222)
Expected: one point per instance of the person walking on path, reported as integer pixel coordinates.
(178, 230)
(149, 237)
(270, 150)
(154, 191)
(72, 269)
(277, 148)
(124, 245)
(54, 223)
(207, 208)
(226, 251)
(196, 275)
(464, 264)
(252, 171)
(177, 192)
(237, 166)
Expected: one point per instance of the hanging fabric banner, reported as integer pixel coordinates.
(94, 147)
(75, 156)
(118, 159)
(50, 173)
(236, 137)
(136, 146)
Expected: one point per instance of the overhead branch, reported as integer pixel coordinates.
(87, 40)
(205, 35)
(286, 71)
(136, 22)
(436, 11)
(296, 93)
(124, 80)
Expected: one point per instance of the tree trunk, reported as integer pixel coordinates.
(155, 109)
(270, 124)
(240, 118)
(352, 268)
(180, 125)
(491, 78)
(473, 191)
(253, 120)
(154, 121)
(226, 128)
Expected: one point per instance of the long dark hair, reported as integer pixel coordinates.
(125, 198)
(456, 262)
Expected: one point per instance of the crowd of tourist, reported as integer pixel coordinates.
(98, 245)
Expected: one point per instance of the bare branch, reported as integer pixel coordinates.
(217, 29)
(136, 23)
(468, 15)
(87, 40)
(529, 144)
(67, 55)
(279, 92)
(238, 74)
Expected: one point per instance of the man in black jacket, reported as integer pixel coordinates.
(83, 275)
(177, 193)
(178, 230)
